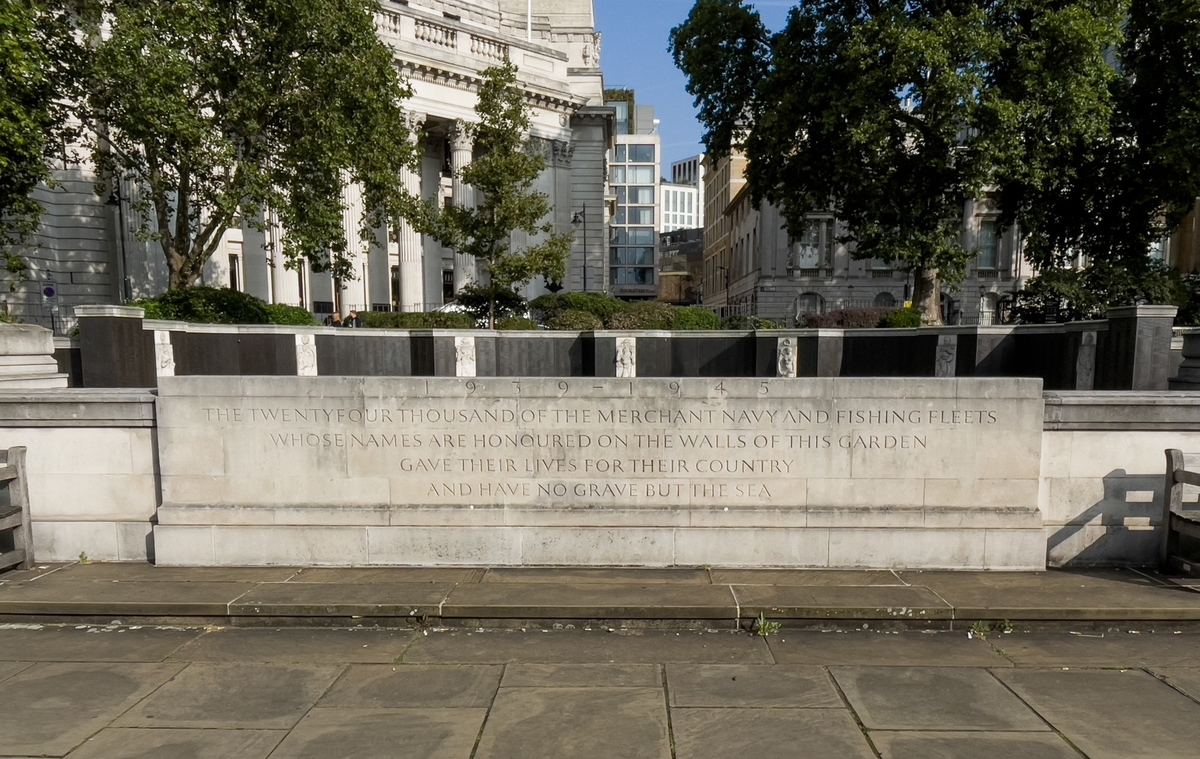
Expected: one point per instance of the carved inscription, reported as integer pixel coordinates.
(582, 444)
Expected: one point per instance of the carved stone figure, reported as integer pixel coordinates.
(627, 357)
(306, 356)
(786, 357)
(591, 52)
(464, 356)
(164, 354)
(946, 357)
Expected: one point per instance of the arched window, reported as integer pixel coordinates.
(811, 303)
(885, 300)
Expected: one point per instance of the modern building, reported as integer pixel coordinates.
(88, 247)
(683, 197)
(680, 260)
(634, 178)
(753, 267)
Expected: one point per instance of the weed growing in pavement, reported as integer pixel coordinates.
(765, 627)
(83, 558)
(1006, 627)
(979, 629)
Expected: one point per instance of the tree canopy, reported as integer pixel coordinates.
(218, 110)
(505, 166)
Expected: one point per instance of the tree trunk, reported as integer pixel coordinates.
(927, 295)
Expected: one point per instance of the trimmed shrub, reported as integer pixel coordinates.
(647, 314)
(416, 320)
(516, 323)
(903, 317)
(280, 313)
(207, 305)
(600, 305)
(575, 321)
(694, 318)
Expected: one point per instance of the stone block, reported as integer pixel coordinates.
(1014, 549)
(290, 545)
(876, 493)
(625, 546)
(798, 547)
(881, 548)
(425, 546)
(981, 492)
(65, 541)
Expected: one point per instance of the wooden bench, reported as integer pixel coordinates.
(14, 510)
(1176, 522)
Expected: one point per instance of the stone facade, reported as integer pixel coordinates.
(86, 245)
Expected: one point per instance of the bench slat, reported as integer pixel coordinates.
(1187, 478)
(8, 473)
(11, 558)
(11, 520)
(1184, 526)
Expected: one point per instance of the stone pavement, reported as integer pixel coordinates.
(511, 597)
(127, 692)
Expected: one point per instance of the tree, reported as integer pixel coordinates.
(862, 109)
(217, 110)
(505, 166)
(32, 116)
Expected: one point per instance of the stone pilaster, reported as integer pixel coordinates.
(461, 146)
(412, 272)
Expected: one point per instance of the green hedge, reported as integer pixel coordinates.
(694, 318)
(904, 317)
(600, 305)
(207, 305)
(516, 323)
(416, 320)
(574, 321)
(647, 314)
(280, 313)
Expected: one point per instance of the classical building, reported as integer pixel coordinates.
(87, 251)
(753, 267)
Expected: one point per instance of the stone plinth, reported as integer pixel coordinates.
(593, 471)
(27, 358)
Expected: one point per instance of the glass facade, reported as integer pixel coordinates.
(633, 176)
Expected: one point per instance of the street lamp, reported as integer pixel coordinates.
(115, 199)
(579, 218)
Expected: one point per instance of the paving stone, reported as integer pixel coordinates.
(58, 705)
(584, 647)
(1059, 595)
(265, 696)
(104, 597)
(297, 644)
(383, 734)
(491, 600)
(584, 575)
(372, 575)
(804, 577)
(897, 602)
(778, 686)
(932, 698)
(905, 649)
(384, 686)
(1117, 649)
(792, 733)
(932, 745)
(8, 669)
(1112, 714)
(139, 743)
(340, 600)
(92, 643)
(1186, 679)
(25, 575)
(620, 723)
(143, 572)
(582, 676)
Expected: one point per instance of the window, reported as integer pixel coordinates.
(689, 203)
(989, 309)
(617, 175)
(639, 175)
(810, 303)
(989, 245)
(620, 154)
(641, 237)
(620, 217)
(632, 256)
(1156, 250)
(641, 154)
(808, 249)
(885, 300)
(639, 215)
(641, 196)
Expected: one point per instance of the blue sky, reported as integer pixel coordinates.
(635, 55)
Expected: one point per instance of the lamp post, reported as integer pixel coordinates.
(580, 218)
(115, 199)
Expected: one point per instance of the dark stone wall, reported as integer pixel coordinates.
(116, 352)
(225, 354)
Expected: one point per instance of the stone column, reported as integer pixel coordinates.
(412, 271)
(461, 146)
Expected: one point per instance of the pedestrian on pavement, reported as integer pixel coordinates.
(352, 320)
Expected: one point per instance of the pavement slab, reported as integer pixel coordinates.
(582, 676)
(957, 745)
(143, 572)
(1060, 595)
(933, 698)
(580, 575)
(1111, 649)
(92, 643)
(805, 577)
(387, 575)
(262, 696)
(25, 575)
(903, 649)
(298, 644)
(10, 668)
(119, 598)
(596, 646)
(568, 600)
(384, 734)
(761, 686)
(139, 743)
(51, 707)
(383, 686)
(1186, 679)
(342, 600)
(619, 723)
(792, 733)
(1112, 714)
(898, 602)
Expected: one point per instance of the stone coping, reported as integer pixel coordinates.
(451, 596)
(77, 407)
(1122, 410)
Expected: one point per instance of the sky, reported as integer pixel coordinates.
(634, 55)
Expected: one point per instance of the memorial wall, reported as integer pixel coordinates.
(732, 458)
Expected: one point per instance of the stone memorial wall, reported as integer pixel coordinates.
(599, 471)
